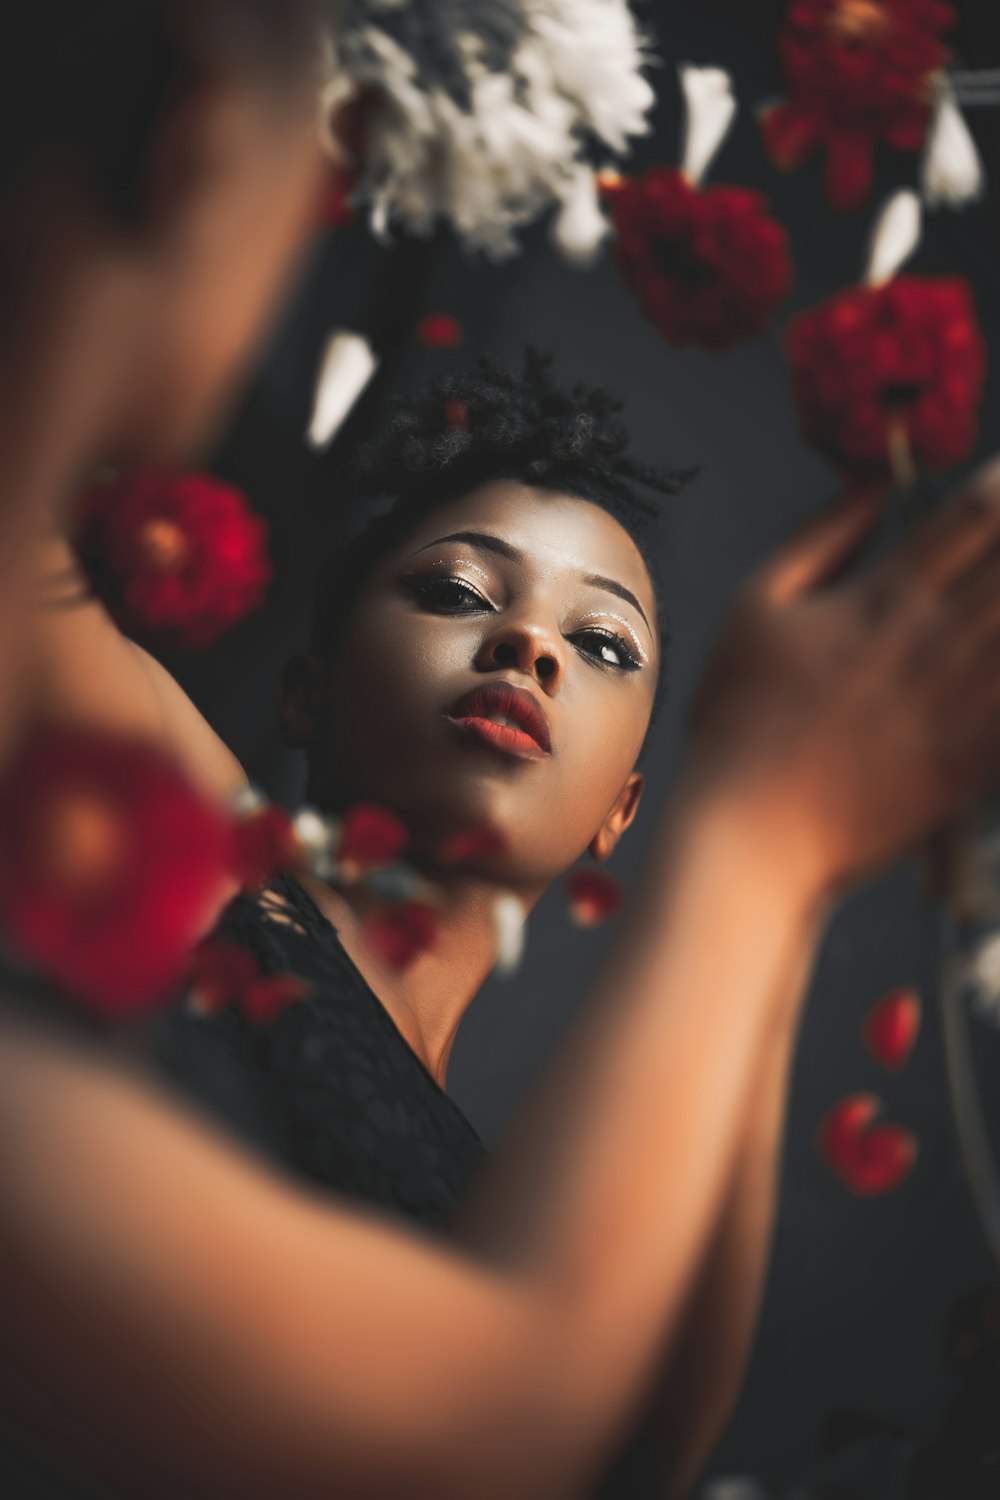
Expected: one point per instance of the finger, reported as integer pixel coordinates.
(958, 535)
(824, 546)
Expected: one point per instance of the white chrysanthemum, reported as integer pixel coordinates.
(487, 147)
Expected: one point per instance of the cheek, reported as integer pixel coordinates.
(392, 680)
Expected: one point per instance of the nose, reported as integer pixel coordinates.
(527, 647)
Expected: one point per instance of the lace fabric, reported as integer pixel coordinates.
(331, 1090)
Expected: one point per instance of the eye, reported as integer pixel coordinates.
(446, 595)
(607, 649)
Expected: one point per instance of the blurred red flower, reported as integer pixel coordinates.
(439, 331)
(594, 897)
(222, 974)
(264, 844)
(890, 373)
(400, 932)
(111, 866)
(177, 558)
(890, 1028)
(707, 267)
(857, 72)
(471, 845)
(868, 1159)
(370, 838)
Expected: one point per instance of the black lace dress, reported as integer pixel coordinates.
(331, 1090)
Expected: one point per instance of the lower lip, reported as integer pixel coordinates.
(502, 737)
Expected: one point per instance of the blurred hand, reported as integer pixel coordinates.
(852, 717)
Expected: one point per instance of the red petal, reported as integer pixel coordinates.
(890, 1028)
(264, 844)
(264, 1000)
(439, 331)
(472, 845)
(869, 1160)
(370, 836)
(401, 932)
(219, 973)
(593, 897)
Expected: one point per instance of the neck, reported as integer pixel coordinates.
(428, 999)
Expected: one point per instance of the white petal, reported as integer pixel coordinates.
(347, 366)
(509, 926)
(894, 238)
(581, 227)
(711, 109)
(951, 172)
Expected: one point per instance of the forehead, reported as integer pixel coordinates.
(558, 534)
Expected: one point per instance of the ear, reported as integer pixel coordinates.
(301, 698)
(621, 816)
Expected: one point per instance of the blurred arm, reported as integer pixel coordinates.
(242, 1329)
(83, 672)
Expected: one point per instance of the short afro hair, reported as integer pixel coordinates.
(466, 429)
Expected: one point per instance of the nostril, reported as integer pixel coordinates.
(504, 654)
(545, 667)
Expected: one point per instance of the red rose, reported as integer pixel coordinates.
(264, 844)
(858, 72)
(222, 974)
(708, 268)
(594, 897)
(111, 866)
(401, 932)
(881, 368)
(177, 559)
(370, 838)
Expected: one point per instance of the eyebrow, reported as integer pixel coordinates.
(490, 543)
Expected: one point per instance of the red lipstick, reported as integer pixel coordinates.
(505, 717)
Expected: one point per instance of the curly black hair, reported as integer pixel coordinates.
(486, 423)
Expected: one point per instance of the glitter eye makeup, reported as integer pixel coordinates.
(605, 614)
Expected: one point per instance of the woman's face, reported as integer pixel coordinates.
(498, 672)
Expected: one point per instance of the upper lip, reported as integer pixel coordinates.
(514, 702)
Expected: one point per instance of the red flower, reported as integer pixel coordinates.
(890, 1028)
(471, 846)
(263, 844)
(439, 331)
(222, 974)
(868, 1159)
(858, 72)
(370, 838)
(877, 370)
(111, 867)
(401, 932)
(177, 559)
(708, 268)
(593, 897)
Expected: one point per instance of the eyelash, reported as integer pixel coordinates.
(439, 593)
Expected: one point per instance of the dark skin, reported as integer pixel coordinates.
(512, 584)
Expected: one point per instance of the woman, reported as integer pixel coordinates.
(486, 656)
(175, 1314)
